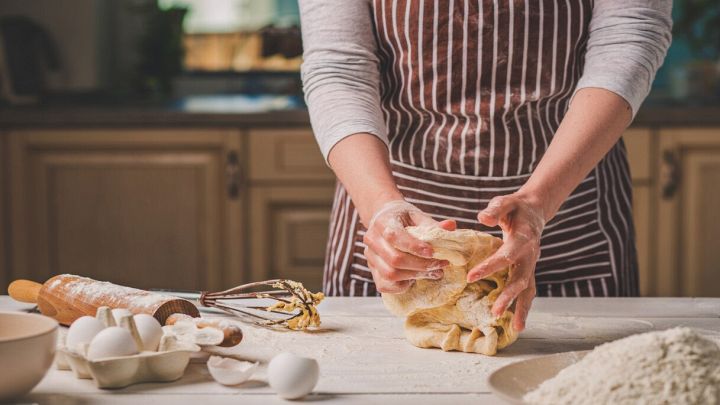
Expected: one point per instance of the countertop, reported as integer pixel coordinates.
(254, 111)
(242, 111)
(365, 359)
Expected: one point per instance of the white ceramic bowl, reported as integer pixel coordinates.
(27, 348)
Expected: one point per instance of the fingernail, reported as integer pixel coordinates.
(476, 275)
(427, 251)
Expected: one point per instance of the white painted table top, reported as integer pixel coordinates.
(364, 357)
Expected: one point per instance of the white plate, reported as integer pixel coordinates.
(515, 380)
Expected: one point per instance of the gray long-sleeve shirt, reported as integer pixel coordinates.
(627, 42)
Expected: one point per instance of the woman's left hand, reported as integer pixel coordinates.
(522, 221)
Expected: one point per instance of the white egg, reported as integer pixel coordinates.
(291, 376)
(112, 342)
(119, 313)
(149, 330)
(81, 332)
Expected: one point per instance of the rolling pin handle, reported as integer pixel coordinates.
(24, 291)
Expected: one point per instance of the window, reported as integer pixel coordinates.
(240, 35)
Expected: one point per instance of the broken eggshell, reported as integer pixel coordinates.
(187, 331)
(231, 330)
(228, 371)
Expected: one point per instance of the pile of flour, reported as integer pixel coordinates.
(675, 366)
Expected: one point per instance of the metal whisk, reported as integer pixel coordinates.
(295, 304)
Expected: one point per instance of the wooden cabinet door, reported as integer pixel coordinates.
(4, 258)
(640, 144)
(291, 192)
(288, 231)
(689, 212)
(286, 156)
(146, 208)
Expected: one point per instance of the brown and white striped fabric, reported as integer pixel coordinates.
(472, 93)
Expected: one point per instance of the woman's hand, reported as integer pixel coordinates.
(521, 220)
(394, 257)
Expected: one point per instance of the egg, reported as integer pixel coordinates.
(119, 313)
(292, 376)
(112, 342)
(81, 332)
(149, 330)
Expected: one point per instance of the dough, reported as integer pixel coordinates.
(450, 313)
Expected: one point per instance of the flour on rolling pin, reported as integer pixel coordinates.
(67, 297)
(93, 290)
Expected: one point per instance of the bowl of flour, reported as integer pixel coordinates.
(674, 366)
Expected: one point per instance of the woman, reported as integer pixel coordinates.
(478, 114)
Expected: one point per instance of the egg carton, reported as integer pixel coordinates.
(177, 346)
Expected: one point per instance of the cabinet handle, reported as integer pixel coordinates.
(669, 174)
(232, 175)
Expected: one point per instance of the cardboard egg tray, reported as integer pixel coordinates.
(166, 364)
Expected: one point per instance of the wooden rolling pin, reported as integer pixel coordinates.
(67, 298)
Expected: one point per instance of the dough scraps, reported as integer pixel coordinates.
(450, 313)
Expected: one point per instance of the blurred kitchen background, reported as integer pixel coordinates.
(166, 144)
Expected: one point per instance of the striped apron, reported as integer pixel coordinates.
(472, 93)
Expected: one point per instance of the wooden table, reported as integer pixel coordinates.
(365, 359)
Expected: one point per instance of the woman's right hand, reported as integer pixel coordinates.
(394, 257)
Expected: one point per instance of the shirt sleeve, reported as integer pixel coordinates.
(627, 42)
(340, 70)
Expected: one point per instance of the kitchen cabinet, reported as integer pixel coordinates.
(4, 259)
(289, 229)
(675, 177)
(212, 207)
(291, 191)
(639, 143)
(141, 207)
(688, 218)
